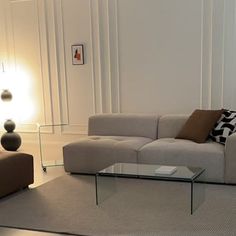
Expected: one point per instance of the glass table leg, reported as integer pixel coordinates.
(105, 187)
(197, 193)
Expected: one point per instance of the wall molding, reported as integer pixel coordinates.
(233, 98)
(44, 60)
(63, 91)
(104, 44)
(223, 54)
(229, 59)
(114, 55)
(79, 129)
(96, 56)
(218, 23)
(201, 69)
(207, 14)
(104, 26)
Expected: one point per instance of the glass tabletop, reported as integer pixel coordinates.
(185, 173)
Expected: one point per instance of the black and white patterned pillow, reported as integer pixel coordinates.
(224, 127)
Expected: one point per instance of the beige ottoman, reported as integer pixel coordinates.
(16, 171)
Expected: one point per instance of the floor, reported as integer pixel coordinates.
(17, 232)
(40, 178)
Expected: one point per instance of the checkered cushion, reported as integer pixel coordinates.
(224, 127)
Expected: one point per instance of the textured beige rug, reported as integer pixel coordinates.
(139, 207)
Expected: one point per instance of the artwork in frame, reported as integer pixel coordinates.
(77, 54)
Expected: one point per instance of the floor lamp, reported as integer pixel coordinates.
(10, 140)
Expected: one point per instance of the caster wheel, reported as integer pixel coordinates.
(44, 169)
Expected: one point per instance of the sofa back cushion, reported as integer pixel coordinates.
(118, 124)
(199, 125)
(170, 125)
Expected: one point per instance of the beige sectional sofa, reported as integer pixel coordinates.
(148, 139)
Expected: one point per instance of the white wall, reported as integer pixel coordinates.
(223, 55)
(155, 56)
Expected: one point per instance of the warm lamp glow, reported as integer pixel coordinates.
(21, 107)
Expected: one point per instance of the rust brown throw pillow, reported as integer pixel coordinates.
(199, 125)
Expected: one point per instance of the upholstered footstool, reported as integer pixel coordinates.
(16, 171)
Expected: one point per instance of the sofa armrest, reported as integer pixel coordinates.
(230, 159)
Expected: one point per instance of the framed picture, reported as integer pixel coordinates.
(77, 54)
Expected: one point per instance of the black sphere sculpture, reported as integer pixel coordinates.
(10, 140)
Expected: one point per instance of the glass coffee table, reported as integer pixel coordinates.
(105, 185)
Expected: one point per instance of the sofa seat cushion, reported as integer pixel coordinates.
(95, 153)
(170, 151)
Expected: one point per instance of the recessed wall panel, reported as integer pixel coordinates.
(160, 55)
(79, 81)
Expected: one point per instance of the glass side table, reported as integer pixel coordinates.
(56, 163)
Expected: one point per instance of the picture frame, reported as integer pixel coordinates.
(77, 54)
